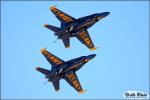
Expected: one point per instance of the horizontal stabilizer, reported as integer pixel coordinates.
(53, 28)
(56, 84)
(42, 70)
(66, 41)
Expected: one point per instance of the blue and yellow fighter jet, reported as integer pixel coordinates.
(71, 27)
(64, 70)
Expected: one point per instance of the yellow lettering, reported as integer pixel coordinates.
(76, 84)
(87, 41)
(61, 15)
(53, 58)
(74, 81)
(82, 35)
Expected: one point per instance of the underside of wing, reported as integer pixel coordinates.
(63, 17)
(52, 59)
(72, 79)
(84, 37)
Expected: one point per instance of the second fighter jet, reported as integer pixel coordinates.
(64, 70)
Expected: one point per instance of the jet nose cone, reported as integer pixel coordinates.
(104, 14)
(91, 56)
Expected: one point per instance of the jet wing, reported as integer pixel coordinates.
(84, 37)
(66, 41)
(63, 17)
(72, 79)
(52, 59)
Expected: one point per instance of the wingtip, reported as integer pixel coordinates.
(45, 25)
(57, 90)
(93, 48)
(37, 68)
(42, 50)
(67, 47)
(82, 91)
(53, 7)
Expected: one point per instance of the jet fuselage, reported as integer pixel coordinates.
(72, 65)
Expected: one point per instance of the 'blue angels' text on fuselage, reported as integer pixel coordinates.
(71, 27)
(64, 70)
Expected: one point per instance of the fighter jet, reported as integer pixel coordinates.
(64, 70)
(72, 27)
